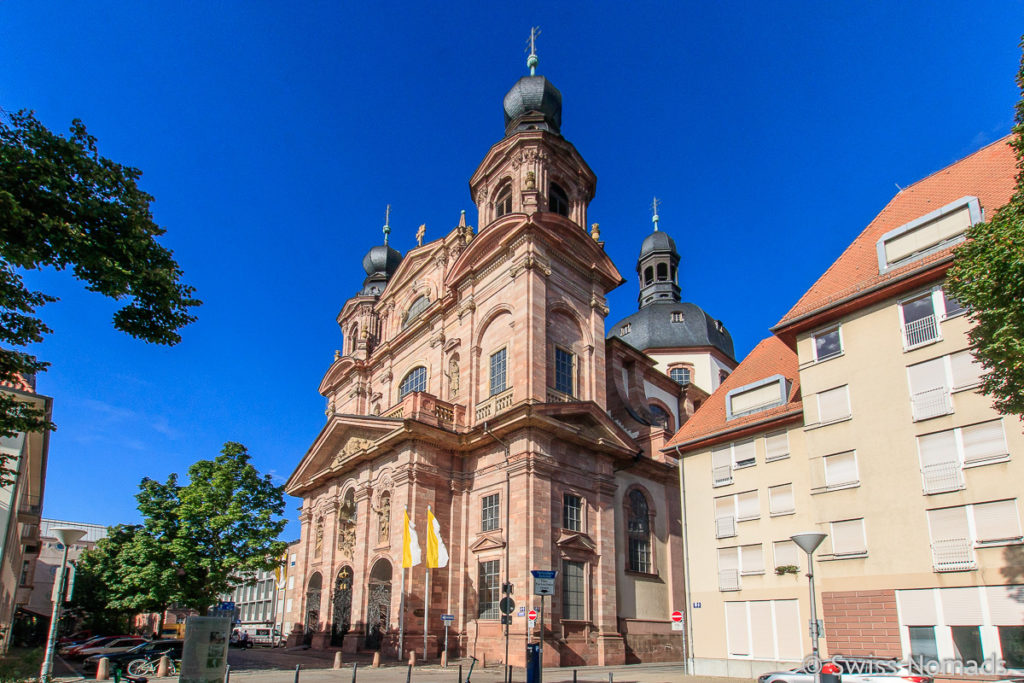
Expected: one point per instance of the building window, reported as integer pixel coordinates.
(780, 500)
(489, 589)
(572, 590)
(722, 375)
(919, 321)
(834, 405)
(558, 201)
(498, 372)
(565, 366)
(741, 507)
(952, 305)
(661, 418)
(680, 374)
(490, 509)
(503, 202)
(648, 275)
(787, 554)
(827, 344)
(967, 643)
(848, 538)
(922, 644)
(418, 306)
(662, 272)
(572, 512)
(776, 446)
(625, 329)
(639, 531)
(944, 454)
(416, 380)
(841, 471)
(733, 456)
(1011, 641)
(677, 317)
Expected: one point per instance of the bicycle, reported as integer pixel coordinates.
(148, 667)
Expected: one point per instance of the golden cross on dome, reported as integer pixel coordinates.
(654, 207)
(420, 232)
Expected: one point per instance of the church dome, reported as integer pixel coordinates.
(381, 260)
(537, 96)
(672, 325)
(655, 242)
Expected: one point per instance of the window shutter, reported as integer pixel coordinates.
(996, 521)
(728, 558)
(725, 507)
(748, 506)
(721, 456)
(841, 469)
(744, 452)
(752, 559)
(948, 524)
(966, 370)
(833, 404)
(776, 445)
(1004, 605)
(848, 537)
(984, 441)
(961, 606)
(788, 630)
(927, 376)
(917, 606)
(763, 640)
(780, 499)
(786, 553)
(937, 449)
(736, 628)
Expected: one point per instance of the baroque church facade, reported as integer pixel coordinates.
(478, 379)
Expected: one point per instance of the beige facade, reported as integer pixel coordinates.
(43, 568)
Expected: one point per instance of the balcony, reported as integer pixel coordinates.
(931, 403)
(493, 405)
(30, 509)
(941, 477)
(555, 396)
(721, 475)
(953, 555)
(728, 579)
(427, 408)
(725, 527)
(920, 331)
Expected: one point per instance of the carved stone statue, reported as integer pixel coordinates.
(453, 378)
(384, 518)
(318, 538)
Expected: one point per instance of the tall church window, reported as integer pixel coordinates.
(503, 201)
(558, 201)
(498, 372)
(416, 380)
(490, 509)
(572, 512)
(565, 375)
(572, 590)
(638, 527)
(489, 589)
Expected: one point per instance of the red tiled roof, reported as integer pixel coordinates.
(988, 174)
(770, 357)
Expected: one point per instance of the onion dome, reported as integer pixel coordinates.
(380, 263)
(533, 103)
(656, 242)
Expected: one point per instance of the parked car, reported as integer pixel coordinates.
(72, 651)
(115, 645)
(76, 637)
(149, 650)
(853, 670)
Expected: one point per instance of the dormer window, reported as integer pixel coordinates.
(927, 234)
(503, 202)
(558, 200)
(758, 396)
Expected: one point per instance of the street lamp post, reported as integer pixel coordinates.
(809, 542)
(66, 536)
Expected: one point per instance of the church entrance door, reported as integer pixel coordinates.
(312, 607)
(378, 605)
(342, 604)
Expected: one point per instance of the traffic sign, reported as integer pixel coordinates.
(447, 618)
(677, 616)
(532, 615)
(544, 581)
(507, 605)
(522, 611)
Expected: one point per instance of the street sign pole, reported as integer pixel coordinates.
(446, 644)
(540, 678)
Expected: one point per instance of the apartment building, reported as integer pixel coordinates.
(897, 457)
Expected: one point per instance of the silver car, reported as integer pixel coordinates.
(853, 670)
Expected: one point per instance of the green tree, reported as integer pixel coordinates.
(988, 277)
(221, 525)
(98, 602)
(62, 205)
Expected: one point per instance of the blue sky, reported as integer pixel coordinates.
(273, 134)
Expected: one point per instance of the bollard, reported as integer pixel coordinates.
(355, 666)
(297, 673)
(483, 660)
(103, 669)
(459, 679)
(408, 674)
(376, 659)
(337, 659)
(574, 676)
(412, 658)
(611, 677)
(227, 671)
(444, 660)
(165, 664)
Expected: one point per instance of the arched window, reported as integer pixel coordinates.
(661, 418)
(558, 201)
(416, 380)
(662, 272)
(638, 527)
(503, 201)
(648, 275)
(417, 307)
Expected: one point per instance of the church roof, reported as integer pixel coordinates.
(769, 358)
(652, 327)
(655, 242)
(533, 94)
(988, 174)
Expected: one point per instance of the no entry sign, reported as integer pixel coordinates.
(532, 615)
(677, 616)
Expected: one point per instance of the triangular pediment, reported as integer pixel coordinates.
(591, 424)
(487, 541)
(343, 440)
(575, 540)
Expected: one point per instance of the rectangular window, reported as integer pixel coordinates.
(725, 517)
(966, 369)
(940, 463)
(833, 405)
(841, 470)
(776, 446)
(489, 512)
(827, 344)
(780, 500)
(953, 305)
(489, 589)
(922, 643)
(565, 363)
(744, 453)
(498, 372)
(572, 509)
(572, 590)
(919, 323)
(787, 553)
(751, 559)
(929, 391)
(728, 569)
(996, 522)
(1011, 641)
(848, 538)
(747, 506)
(967, 643)
(952, 549)
(984, 441)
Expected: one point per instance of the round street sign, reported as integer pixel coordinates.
(532, 615)
(507, 605)
(677, 616)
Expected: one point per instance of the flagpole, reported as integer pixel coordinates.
(426, 615)
(401, 618)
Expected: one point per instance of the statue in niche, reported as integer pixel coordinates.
(318, 538)
(453, 378)
(384, 518)
(347, 525)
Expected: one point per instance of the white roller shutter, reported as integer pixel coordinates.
(776, 445)
(996, 521)
(917, 607)
(728, 558)
(762, 630)
(927, 376)
(788, 631)
(848, 537)
(1005, 605)
(780, 499)
(744, 453)
(752, 560)
(966, 370)
(937, 449)
(736, 628)
(841, 469)
(833, 404)
(725, 507)
(786, 553)
(747, 505)
(948, 524)
(961, 606)
(721, 456)
(984, 441)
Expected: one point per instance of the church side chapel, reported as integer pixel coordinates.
(476, 392)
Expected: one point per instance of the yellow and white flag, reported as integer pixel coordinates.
(410, 543)
(437, 554)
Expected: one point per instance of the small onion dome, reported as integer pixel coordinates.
(381, 260)
(533, 94)
(657, 242)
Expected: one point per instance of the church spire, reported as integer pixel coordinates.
(387, 220)
(654, 207)
(532, 60)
